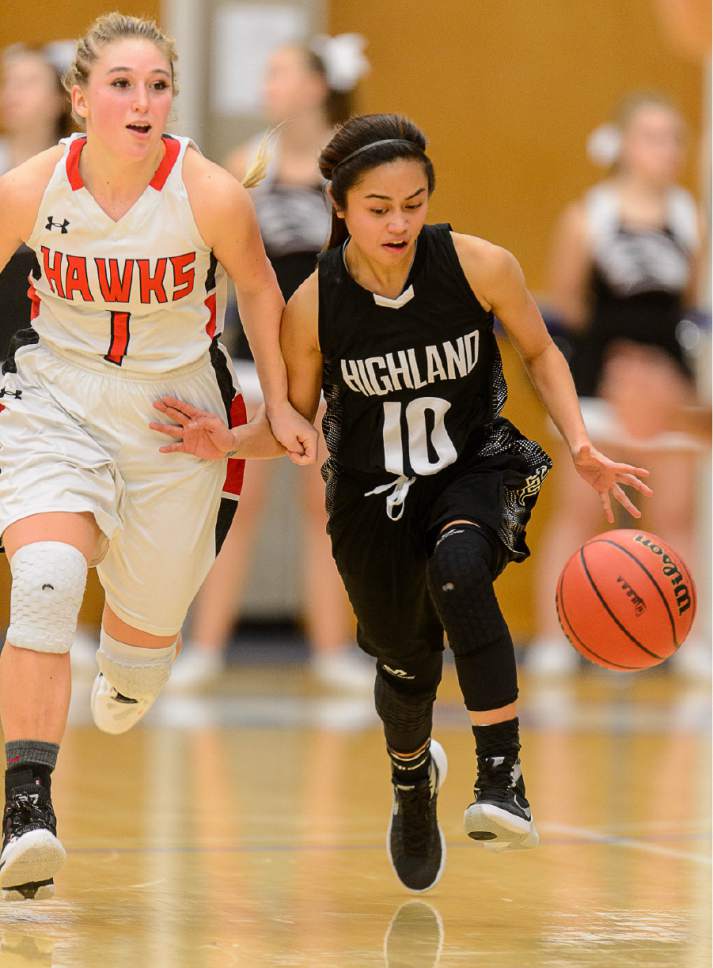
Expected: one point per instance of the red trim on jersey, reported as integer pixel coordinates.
(172, 149)
(210, 306)
(2, 407)
(34, 298)
(75, 150)
(236, 465)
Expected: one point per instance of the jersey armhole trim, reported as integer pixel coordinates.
(172, 150)
(462, 278)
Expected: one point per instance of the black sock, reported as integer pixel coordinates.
(29, 762)
(500, 739)
(409, 768)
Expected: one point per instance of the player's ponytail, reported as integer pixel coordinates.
(363, 143)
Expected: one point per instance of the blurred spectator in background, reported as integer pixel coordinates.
(306, 92)
(623, 271)
(34, 115)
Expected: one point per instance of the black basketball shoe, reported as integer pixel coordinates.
(414, 841)
(31, 853)
(500, 818)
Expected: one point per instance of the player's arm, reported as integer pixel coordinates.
(21, 191)
(498, 283)
(195, 431)
(299, 339)
(226, 220)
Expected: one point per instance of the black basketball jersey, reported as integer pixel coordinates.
(406, 380)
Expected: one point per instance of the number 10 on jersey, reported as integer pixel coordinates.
(417, 432)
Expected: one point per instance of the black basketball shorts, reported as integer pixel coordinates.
(382, 557)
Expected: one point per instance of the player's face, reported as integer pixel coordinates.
(386, 210)
(128, 97)
(653, 145)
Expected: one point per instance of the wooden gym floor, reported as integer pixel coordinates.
(246, 827)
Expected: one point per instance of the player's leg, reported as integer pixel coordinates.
(383, 568)
(404, 693)
(213, 612)
(134, 666)
(49, 555)
(465, 561)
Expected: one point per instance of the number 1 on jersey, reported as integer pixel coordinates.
(119, 337)
(427, 445)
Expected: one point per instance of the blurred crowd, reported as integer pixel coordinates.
(623, 301)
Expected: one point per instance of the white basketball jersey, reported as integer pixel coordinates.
(144, 292)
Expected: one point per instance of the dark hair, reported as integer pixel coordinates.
(339, 104)
(363, 143)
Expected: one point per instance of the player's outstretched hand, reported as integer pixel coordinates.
(194, 431)
(607, 477)
(297, 435)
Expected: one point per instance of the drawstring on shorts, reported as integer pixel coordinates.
(395, 501)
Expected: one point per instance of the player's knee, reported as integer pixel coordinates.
(461, 571)
(403, 707)
(48, 581)
(134, 671)
(460, 564)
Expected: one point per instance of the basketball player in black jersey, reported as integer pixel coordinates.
(429, 489)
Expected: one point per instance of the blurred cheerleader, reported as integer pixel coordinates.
(307, 91)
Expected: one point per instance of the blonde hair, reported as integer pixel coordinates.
(260, 163)
(105, 30)
(116, 26)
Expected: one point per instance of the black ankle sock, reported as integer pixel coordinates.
(500, 739)
(410, 768)
(26, 775)
(29, 761)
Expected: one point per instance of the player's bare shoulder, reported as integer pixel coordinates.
(486, 266)
(214, 194)
(21, 191)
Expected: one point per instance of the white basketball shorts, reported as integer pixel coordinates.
(75, 437)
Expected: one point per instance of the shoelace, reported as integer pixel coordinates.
(414, 804)
(495, 774)
(395, 501)
(22, 809)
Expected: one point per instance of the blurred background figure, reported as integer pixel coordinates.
(34, 115)
(623, 273)
(306, 92)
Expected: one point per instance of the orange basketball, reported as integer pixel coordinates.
(626, 600)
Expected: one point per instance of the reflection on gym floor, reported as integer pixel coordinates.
(246, 827)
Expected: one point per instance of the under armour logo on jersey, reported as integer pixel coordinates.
(62, 226)
(17, 394)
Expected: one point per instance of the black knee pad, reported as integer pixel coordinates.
(461, 570)
(460, 582)
(405, 705)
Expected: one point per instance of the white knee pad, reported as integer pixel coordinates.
(134, 671)
(48, 579)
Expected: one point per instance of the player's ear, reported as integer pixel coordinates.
(335, 208)
(79, 102)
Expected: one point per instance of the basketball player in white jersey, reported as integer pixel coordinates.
(134, 233)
